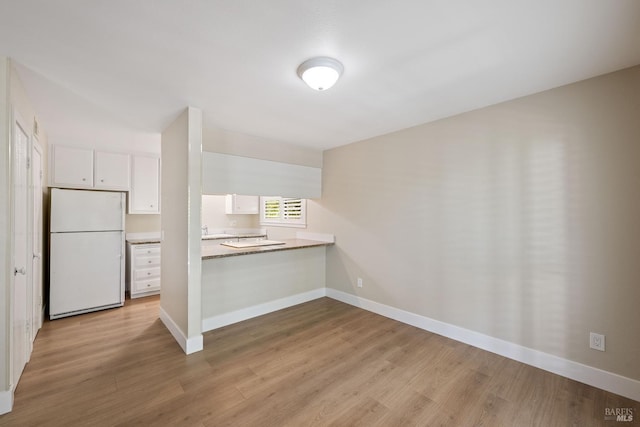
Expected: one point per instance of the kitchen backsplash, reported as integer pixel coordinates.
(214, 217)
(217, 221)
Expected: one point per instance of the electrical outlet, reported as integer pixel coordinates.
(359, 282)
(596, 341)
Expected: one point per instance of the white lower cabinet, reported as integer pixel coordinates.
(143, 269)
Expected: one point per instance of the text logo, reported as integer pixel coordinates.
(618, 414)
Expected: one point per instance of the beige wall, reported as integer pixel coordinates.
(174, 221)
(519, 221)
(180, 221)
(142, 223)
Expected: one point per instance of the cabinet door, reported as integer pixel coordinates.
(71, 167)
(238, 204)
(144, 197)
(111, 171)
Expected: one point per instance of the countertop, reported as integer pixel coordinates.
(220, 251)
(143, 241)
(226, 236)
(146, 240)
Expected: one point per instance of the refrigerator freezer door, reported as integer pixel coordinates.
(86, 272)
(82, 210)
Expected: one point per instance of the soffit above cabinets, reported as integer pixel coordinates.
(223, 173)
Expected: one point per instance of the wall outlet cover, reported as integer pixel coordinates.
(596, 341)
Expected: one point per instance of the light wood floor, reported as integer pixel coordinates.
(319, 363)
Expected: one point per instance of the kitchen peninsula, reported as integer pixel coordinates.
(221, 251)
(241, 283)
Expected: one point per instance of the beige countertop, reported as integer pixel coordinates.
(143, 241)
(227, 236)
(146, 240)
(220, 251)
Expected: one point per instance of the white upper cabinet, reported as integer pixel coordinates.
(144, 197)
(85, 168)
(71, 167)
(111, 171)
(237, 204)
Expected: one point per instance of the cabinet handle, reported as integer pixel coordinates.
(84, 179)
(148, 274)
(102, 180)
(149, 261)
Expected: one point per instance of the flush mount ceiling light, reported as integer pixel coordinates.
(320, 73)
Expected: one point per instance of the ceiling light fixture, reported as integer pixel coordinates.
(320, 73)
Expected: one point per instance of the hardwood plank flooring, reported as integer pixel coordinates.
(323, 363)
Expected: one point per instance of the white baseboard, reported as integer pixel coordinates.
(194, 344)
(6, 401)
(614, 383)
(225, 319)
(188, 345)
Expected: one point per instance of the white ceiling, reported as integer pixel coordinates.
(406, 62)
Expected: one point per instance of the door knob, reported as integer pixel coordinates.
(17, 271)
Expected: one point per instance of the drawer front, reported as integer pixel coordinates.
(147, 261)
(146, 285)
(147, 274)
(146, 250)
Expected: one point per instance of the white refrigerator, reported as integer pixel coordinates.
(86, 251)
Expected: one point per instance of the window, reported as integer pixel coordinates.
(284, 212)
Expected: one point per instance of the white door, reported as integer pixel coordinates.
(36, 270)
(21, 254)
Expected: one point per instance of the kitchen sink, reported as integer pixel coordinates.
(252, 243)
